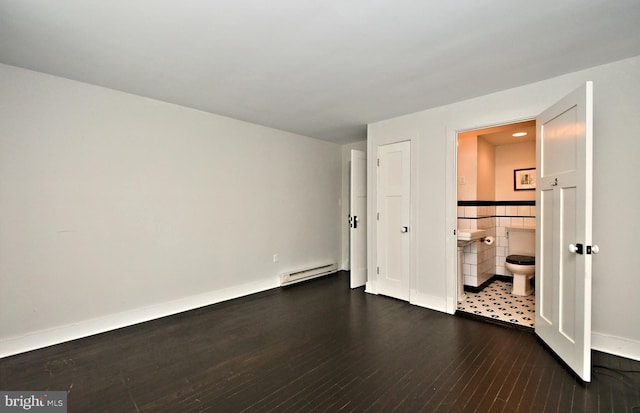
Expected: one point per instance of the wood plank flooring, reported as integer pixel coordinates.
(319, 347)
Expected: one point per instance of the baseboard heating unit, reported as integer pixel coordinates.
(307, 273)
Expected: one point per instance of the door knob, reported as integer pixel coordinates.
(575, 249)
(404, 229)
(595, 249)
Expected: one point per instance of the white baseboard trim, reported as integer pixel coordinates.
(43, 338)
(371, 287)
(619, 346)
(431, 302)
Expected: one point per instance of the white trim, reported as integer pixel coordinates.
(618, 346)
(56, 335)
(451, 216)
(371, 287)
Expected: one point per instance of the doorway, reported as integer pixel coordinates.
(496, 197)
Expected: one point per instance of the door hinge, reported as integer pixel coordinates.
(378, 161)
(378, 216)
(454, 232)
(377, 270)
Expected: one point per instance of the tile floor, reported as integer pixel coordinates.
(497, 302)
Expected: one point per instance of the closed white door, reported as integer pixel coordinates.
(358, 219)
(394, 238)
(564, 245)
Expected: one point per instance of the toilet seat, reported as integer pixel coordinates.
(521, 259)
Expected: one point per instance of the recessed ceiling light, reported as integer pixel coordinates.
(519, 134)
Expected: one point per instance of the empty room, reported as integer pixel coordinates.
(239, 206)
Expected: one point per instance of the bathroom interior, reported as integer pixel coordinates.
(496, 223)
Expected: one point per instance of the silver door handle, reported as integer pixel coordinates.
(404, 229)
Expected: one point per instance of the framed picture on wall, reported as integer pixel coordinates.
(524, 179)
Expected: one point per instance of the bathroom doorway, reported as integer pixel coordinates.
(496, 195)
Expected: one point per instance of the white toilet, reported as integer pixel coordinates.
(521, 259)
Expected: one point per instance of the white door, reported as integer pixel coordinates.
(394, 180)
(358, 219)
(563, 247)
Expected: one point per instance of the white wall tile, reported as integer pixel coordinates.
(500, 210)
(471, 211)
(470, 281)
(523, 211)
(483, 277)
(470, 258)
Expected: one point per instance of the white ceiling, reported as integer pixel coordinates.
(321, 68)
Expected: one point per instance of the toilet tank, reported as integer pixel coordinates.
(522, 240)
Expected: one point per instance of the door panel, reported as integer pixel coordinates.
(392, 223)
(563, 275)
(358, 219)
(567, 271)
(545, 285)
(560, 144)
(393, 219)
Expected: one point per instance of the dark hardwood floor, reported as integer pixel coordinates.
(319, 347)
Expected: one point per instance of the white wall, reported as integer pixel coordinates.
(486, 171)
(615, 306)
(509, 158)
(467, 167)
(116, 209)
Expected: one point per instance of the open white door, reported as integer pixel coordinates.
(563, 242)
(394, 239)
(358, 219)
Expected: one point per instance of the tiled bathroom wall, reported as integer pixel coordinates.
(481, 261)
(510, 216)
(478, 260)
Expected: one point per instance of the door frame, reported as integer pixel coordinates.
(451, 195)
